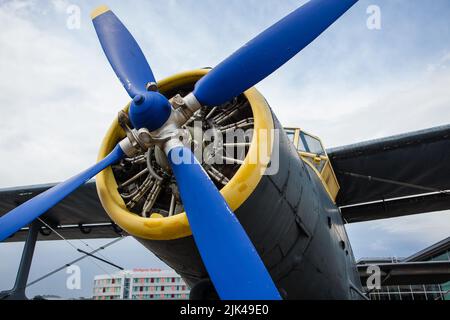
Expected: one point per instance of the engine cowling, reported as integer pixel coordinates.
(238, 187)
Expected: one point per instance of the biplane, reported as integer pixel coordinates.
(248, 226)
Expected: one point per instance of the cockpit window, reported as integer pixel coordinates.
(310, 144)
(291, 135)
(302, 144)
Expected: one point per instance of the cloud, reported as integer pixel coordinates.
(399, 237)
(50, 102)
(434, 226)
(60, 5)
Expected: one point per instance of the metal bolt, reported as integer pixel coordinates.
(151, 86)
(177, 101)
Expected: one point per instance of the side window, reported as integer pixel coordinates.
(290, 134)
(302, 146)
(310, 144)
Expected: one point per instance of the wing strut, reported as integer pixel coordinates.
(18, 291)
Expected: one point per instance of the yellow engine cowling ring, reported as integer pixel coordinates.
(235, 192)
(170, 238)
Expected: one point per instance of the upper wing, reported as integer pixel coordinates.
(79, 216)
(400, 175)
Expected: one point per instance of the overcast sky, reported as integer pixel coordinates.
(58, 95)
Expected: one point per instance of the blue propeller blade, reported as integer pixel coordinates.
(267, 52)
(229, 256)
(33, 208)
(122, 51)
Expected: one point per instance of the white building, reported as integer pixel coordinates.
(141, 284)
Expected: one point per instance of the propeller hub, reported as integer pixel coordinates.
(149, 110)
